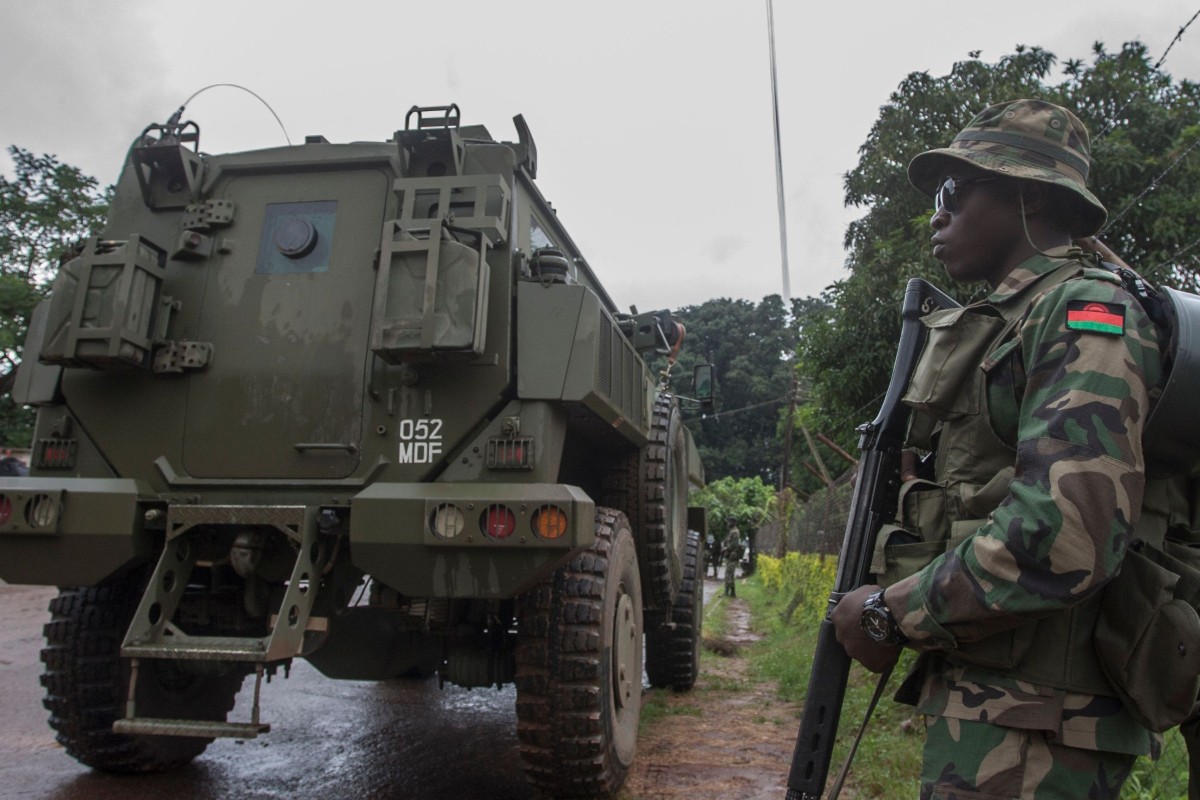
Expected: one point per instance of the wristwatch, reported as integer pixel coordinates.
(878, 623)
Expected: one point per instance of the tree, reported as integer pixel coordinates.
(45, 208)
(744, 502)
(740, 502)
(1143, 126)
(751, 347)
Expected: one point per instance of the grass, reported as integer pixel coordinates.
(713, 625)
(890, 753)
(659, 705)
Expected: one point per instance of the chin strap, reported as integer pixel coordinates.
(1025, 226)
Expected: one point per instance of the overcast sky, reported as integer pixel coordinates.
(652, 118)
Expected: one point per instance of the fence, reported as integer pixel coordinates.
(817, 525)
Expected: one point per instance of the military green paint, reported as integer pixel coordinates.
(99, 529)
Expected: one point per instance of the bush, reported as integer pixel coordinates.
(804, 577)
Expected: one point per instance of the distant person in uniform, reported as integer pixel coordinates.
(713, 546)
(733, 555)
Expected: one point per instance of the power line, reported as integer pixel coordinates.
(717, 415)
(1153, 184)
(1157, 64)
(1117, 116)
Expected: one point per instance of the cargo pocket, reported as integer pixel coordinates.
(899, 554)
(902, 550)
(957, 343)
(1148, 636)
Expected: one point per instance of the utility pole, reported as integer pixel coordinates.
(785, 472)
(787, 284)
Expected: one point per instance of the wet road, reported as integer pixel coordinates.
(329, 739)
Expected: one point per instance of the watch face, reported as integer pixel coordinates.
(875, 623)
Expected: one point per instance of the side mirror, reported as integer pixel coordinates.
(702, 384)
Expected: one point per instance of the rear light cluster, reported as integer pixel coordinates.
(503, 453)
(497, 522)
(22, 511)
(55, 453)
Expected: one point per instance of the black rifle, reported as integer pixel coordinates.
(874, 503)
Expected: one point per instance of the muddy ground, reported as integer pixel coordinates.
(731, 737)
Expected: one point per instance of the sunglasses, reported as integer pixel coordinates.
(949, 194)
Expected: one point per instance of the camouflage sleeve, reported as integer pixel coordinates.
(1062, 530)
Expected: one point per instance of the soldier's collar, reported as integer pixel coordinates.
(1032, 269)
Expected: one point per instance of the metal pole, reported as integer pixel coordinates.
(787, 285)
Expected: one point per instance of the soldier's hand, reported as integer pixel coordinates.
(846, 618)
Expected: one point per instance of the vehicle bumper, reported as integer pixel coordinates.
(69, 531)
(79, 531)
(392, 537)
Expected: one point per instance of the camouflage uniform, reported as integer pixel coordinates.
(1039, 481)
(732, 555)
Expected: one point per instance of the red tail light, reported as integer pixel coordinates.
(498, 521)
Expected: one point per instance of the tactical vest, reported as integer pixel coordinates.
(973, 468)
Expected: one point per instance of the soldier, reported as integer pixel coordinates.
(732, 555)
(713, 545)
(1034, 401)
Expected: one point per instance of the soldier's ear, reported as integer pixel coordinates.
(1033, 197)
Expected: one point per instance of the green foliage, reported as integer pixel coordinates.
(1165, 779)
(1143, 127)
(746, 501)
(44, 208)
(889, 758)
(806, 578)
(751, 347)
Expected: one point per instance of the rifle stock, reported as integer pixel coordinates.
(873, 503)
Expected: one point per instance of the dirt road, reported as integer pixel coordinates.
(729, 738)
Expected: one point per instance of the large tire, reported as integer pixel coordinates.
(673, 645)
(87, 681)
(579, 668)
(664, 490)
(651, 486)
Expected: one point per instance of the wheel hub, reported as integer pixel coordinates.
(626, 673)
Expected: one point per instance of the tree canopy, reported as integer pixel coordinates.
(44, 208)
(744, 502)
(1144, 128)
(751, 347)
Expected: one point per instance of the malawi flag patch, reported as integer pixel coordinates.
(1087, 315)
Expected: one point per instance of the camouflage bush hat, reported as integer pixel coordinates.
(1029, 139)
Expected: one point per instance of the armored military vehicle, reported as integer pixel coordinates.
(363, 404)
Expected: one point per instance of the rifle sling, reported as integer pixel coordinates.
(862, 729)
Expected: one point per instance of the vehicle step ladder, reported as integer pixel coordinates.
(152, 634)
